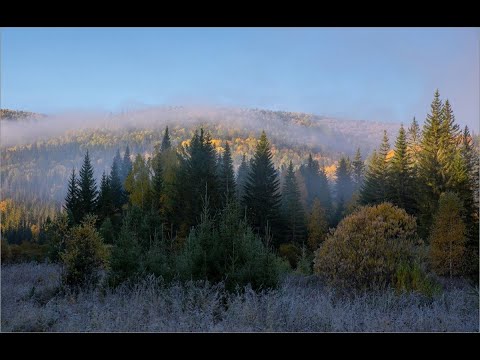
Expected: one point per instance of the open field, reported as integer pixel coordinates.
(300, 304)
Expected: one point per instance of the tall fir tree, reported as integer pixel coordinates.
(358, 169)
(157, 185)
(262, 197)
(126, 165)
(317, 225)
(166, 144)
(414, 138)
(375, 187)
(199, 175)
(316, 184)
(88, 189)
(292, 208)
(116, 186)
(469, 194)
(343, 184)
(402, 182)
(72, 202)
(242, 174)
(105, 204)
(227, 176)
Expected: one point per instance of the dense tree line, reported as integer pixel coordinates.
(183, 211)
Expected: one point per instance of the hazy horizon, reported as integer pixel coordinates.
(373, 74)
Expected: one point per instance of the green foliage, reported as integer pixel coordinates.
(447, 237)
(126, 260)
(412, 277)
(366, 248)
(107, 231)
(88, 189)
(6, 251)
(85, 254)
(227, 251)
(292, 208)
(227, 176)
(242, 178)
(166, 144)
(138, 184)
(305, 263)
(402, 182)
(317, 225)
(72, 200)
(262, 196)
(58, 233)
(291, 253)
(105, 203)
(375, 187)
(358, 169)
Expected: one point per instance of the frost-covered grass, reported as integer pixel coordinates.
(30, 302)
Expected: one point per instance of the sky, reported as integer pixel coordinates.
(379, 74)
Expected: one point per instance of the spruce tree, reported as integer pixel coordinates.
(317, 225)
(469, 194)
(166, 144)
(242, 178)
(105, 205)
(358, 169)
(262, 197)
(72, 200)
(316, 184)
(402, 187)
(414, 138)
(343, 183)
(126, 165)
(88, 189)
(157, 185)
(116, 186)
(293, 212)
(227, 175)
(199, 174)
(429, 164)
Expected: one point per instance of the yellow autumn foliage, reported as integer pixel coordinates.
(367, 247)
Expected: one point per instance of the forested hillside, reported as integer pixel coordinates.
(37, 156)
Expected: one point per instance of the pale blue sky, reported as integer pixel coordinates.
(384, 74)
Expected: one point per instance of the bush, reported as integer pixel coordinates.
(27, 251)
(57, 233)
(411, 277)
(6, 251)
(85, 254)
(367, 247)
(228, 251)
(291, 253)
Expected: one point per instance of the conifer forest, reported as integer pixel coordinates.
(236, 219)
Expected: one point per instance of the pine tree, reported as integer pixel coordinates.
(157, 185)
(402, 185)
(375, 187)
(317, 225)
(414, 138)
(469, 194)
(429, 164)
(293, 209)
(262, 197)
(447, 237)
(242, 178)
(105, 205)
(166, 144)
(126, 166)
(116, 186)
(88, 189)
(199, 172)
(358, 169)
(227, 175)
(72, 200)
(343, 183)
(138, 184)
(316, 184)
